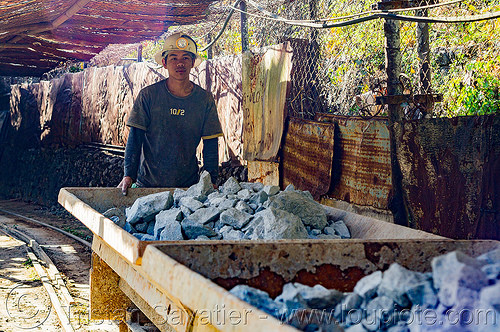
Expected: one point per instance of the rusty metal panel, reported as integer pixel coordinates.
(308, 155)
(264, 81)
(362, 172)
(451, 175)
(222, 77)
(335, 264)
(264, 171)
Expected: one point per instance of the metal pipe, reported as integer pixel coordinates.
(244, 27)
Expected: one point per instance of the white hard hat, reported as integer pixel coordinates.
(178, 41)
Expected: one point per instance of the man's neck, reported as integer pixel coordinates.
(179, 88)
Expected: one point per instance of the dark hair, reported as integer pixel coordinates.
(165, 54)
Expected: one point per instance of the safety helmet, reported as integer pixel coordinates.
(178, 41)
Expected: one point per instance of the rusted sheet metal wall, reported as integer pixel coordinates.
(107, 96)
(361, 161)
(266, 172)
(222, 77)
(451, 175)
(308, 155)
(46, 111)
(265, 81)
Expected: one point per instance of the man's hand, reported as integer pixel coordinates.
(125, 183)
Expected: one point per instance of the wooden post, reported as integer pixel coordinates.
(393, 65)
(107, 300)
(208, 40)
(423, 54)
(139, 53)
(313, 10)
(393, 70)
(244, 27)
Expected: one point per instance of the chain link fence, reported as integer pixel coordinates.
(339, 60)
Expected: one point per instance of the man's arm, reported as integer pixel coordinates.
(211, 157)
(132, 158)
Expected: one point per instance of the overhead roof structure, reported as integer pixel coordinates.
(38, 35)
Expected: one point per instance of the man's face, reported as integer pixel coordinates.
(178, 64)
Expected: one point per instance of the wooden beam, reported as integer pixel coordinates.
(107, 301)
(54, 24)
(71, 43)
(103, 39)
(94, 22)
(29, 27)
(118, 8)
(149, 17)
(55, 50)
(168, 308)
(69, 13)
(144, 307)
(15, 46)
(67, 45)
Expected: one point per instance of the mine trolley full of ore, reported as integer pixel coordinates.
(184, 285)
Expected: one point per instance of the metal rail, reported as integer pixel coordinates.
(47, 282)
(74, 237)
(114, 149)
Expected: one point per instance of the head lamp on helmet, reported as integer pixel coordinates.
(178, 42)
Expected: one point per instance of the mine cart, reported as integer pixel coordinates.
(183, 285)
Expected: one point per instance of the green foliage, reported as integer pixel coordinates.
(28, 263)
(351, 58)
(476, 92)
(76, 68)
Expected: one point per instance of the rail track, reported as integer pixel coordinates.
(113, 149)
(61, 261)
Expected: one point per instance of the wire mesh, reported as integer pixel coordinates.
(341, 69)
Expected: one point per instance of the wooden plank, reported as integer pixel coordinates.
(123, 242)
(99, 36)
(107, 301)
(175, 315)
(146, 8)
(156, 318)
(61, 314)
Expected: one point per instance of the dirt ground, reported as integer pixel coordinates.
(24, 303)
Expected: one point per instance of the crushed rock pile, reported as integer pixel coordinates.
(237, 211)
(460, 294)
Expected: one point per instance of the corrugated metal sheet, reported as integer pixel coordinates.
(362, 161)
(451, 172)
(308, 156)
(265, 81)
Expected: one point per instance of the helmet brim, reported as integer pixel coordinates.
(162, 54)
